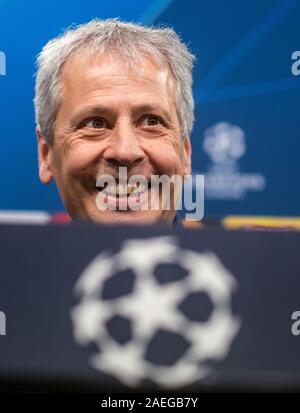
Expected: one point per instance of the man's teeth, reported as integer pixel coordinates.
(125, 189)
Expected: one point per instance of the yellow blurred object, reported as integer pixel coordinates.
(261, 222)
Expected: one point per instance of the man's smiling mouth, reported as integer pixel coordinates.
(123, 196)
(120, 190)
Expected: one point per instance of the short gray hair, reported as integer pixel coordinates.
(128, 40)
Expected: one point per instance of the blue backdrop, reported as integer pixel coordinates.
(247, 134)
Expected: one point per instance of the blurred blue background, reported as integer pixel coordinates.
(243, 86)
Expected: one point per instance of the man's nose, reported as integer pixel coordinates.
(124, 147)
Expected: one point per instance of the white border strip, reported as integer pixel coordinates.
(24, 217)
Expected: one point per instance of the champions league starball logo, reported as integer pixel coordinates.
(225, 144)
(156, 312)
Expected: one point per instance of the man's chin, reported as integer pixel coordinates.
(130, 217)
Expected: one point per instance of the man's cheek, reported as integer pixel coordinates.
(77, 165)
(166, 161)
(77, 160)
(173, 165)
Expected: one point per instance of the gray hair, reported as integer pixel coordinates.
(128, 40)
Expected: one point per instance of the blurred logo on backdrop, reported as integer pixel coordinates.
(225, 144)
(156, 312)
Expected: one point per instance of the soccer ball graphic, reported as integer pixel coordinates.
(141, 309)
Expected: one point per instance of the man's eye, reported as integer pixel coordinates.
(151, 120)
(96, 123)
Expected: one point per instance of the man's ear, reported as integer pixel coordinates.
(187, 156)
(44, 152)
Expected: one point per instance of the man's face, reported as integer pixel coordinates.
(113, 114)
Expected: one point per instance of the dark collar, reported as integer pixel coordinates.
(177, 222)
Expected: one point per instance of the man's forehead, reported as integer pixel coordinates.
(84, 67)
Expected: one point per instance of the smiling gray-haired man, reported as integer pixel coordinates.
(112, 95)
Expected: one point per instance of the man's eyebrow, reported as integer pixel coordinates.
(89, 110)
(93, 110)
(150, 108)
